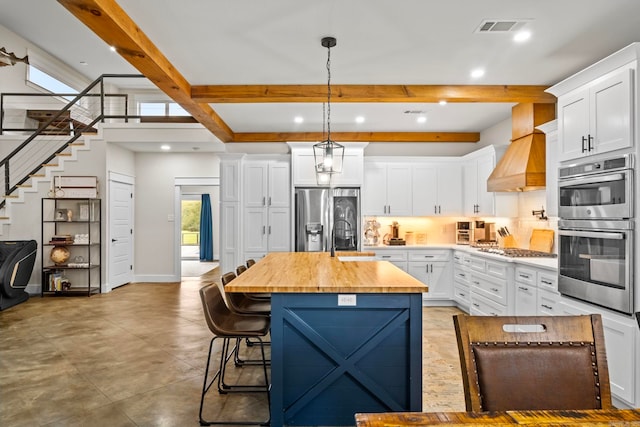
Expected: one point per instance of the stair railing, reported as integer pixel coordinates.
(35, 151)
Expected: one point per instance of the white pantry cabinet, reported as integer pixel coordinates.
(267, 207)
(387, 189)
(437, 188)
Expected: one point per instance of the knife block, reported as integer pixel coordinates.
(509, 242)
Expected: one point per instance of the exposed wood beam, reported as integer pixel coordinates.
(110, 22)
(360, 137)
(370, 93)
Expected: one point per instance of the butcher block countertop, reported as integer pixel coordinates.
(318, 272)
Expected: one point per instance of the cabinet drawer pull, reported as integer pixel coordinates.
(475, 282)
(476, 305)
(495, 289)
(264, 201)
(546, 282)
(429, 256)
(264, 229)
(546, 306)
(523, 288)
(584, 148)
(269, 202)
(269, 229)
(589, 139)
(524, 276)
(462, 295)
(385, 256)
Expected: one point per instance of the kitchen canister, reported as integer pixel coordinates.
(410, 238)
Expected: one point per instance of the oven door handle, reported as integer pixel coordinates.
(594, 234)
(592, 180)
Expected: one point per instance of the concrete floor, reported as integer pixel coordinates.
(136, 357)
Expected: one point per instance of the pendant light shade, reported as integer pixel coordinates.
(328, 154)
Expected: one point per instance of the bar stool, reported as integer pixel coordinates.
(241, 304)
(240, 269)
(256, 296)
(250, 263)
(227, 325)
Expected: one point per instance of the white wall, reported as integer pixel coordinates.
(154, 208)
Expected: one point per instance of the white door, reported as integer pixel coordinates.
(120, 233)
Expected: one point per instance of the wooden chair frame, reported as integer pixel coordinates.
(564, 332)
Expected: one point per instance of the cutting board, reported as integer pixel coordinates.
(541, 240)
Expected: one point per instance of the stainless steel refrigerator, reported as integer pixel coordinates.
(326, 215)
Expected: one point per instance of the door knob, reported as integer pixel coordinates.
(114, 240)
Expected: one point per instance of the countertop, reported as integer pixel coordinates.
(318, 272)
(541, 262)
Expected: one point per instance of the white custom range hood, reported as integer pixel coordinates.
(523, 165)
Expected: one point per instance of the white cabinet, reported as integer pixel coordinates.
(526, 292)
(477, 201)
(267, 212)
(461, 280)
(620, 336)
(395, 257)
(551, 160)
(432, 267)
(303, 165)
(387, 189)
(230, 211)
(437, 189)
(597, 118)
(491, 282)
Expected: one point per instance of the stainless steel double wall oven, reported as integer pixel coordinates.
(596, 232)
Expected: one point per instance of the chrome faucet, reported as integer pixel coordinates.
(333, 237)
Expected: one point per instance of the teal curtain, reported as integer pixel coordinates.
(206, 229)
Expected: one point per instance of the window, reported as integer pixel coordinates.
(48, 83)
(161, 109)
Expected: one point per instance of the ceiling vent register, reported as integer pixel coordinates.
(501, 26)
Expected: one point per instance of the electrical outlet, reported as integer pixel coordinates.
(346, 300)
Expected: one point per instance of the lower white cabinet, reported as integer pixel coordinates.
(432, 267)
(395, 257)
(620, 335)
(491, 282)
(461, 280)
(547, 303)
(536, 291)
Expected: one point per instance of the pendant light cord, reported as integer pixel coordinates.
(328, 94)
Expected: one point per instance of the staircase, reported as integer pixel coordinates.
(60, 136)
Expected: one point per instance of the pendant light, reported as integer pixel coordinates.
(328, 155)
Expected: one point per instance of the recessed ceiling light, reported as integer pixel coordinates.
(442, 102)
(421, 119)
(112, 48)
(165, 147)
(522, 36)
(477, 73)
(360, 119)
(298, 119)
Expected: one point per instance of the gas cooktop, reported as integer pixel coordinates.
(518, 253)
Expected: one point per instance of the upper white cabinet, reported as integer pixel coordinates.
(477, 201)
(266, 184)
(387, 189)
(437, 189)
(303, 165)
(596, 111)
(597, 118)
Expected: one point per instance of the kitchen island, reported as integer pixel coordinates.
(346, 336)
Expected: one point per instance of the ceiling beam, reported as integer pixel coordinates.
(370, 93)
(359, 137)
(111, 23)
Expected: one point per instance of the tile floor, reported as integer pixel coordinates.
(136, 357)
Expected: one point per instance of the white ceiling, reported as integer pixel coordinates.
(379, 42)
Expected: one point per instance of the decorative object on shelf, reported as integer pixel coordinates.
(371, 233)
(69, 215)
(328, 155)
(81, 239)
(10, 58)
(61, 215)
(60, 255)
(75, 186)
(83, 210)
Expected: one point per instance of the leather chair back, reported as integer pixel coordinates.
(533, 362)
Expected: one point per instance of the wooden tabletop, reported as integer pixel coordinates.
(614, 417)
(318, 272)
